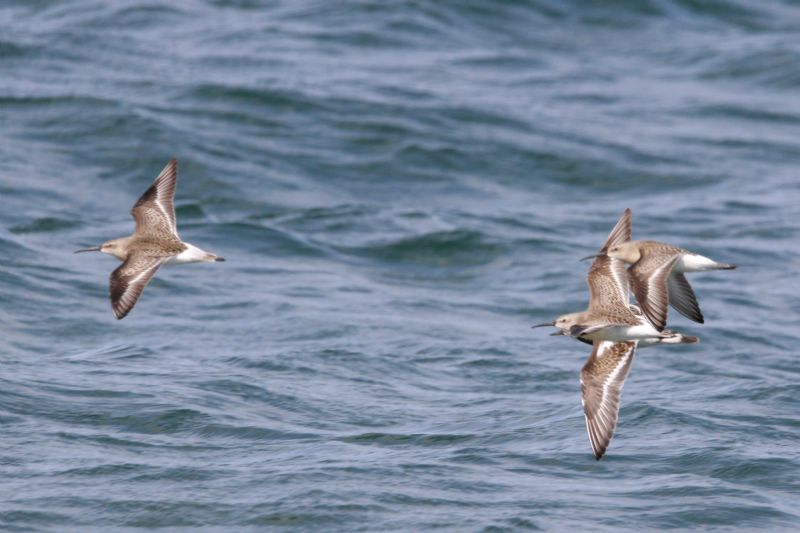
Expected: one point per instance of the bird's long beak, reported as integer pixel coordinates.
(601, 254)
(92, 249)
(543, 325)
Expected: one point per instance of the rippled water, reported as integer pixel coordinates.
(400, 189)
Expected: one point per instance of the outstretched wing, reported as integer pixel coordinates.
(128, 281)
(608, 285)
(608, 277)
(154, 212)
(621, 232)
(682, 298)
(648, 279)
(602, 378)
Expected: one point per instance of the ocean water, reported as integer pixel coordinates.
(400, 189)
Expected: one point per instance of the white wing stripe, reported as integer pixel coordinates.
(602, 382)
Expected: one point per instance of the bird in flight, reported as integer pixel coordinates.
(154, 243)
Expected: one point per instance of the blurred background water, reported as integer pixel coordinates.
(401, 189)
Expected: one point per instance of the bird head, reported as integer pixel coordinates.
(563, 323)
(627, 252)
(113, 247)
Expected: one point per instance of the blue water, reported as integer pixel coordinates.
(401, 189)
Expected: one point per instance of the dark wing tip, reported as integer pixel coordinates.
(621, 231)
(602, 378)
(172, 166)
(598, 440)
(682, 297)
(659, 322)
(128, 281)
(118, 307)
(655, 312)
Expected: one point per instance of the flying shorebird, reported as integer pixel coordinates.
(656, 277)
(610, 317)
(615, 328)
(154, 243)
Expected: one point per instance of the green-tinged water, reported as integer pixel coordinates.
(400, 189)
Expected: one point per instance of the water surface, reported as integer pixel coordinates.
(401, 189)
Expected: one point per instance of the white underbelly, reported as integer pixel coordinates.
(694, 263)
(192, 254)
(624, 333)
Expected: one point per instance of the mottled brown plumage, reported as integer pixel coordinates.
(608, 283)
(682, 297)
(657, 280)
(602, 378)
(154, 212)
(608, 293)
(608, 315)
(615, 328)
(129, 280)
(649, 277)
(154, 243)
